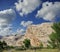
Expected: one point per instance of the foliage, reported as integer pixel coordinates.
(27, 43)
(55, 36)
(3, 45)
(51, 44)
(41, 45)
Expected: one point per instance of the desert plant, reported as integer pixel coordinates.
(27, 43)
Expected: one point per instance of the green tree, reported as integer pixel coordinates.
(3, 45)
(55, 36)
(41, 45)
(27, 43)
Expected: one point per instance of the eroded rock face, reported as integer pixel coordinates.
(36, 33)
(39, 33)
(13, 40)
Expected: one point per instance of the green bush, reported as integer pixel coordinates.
(27, 43)
(3, 45)
(55, 36)
(41, 45)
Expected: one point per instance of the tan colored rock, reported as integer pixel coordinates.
(39, 33)
(13, 40)
(36, 33)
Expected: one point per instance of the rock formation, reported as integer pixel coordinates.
(39, 33)
(36, 33)
(13, 40)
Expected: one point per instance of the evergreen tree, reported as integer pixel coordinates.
(3, 45)
(27, 43)
(55, 36)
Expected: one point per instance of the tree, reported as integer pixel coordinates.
(3, 45)
(55, 36)
(27, 43)
(41, 45)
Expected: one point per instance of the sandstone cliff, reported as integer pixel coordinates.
(13, 40)
(39, 33)
(36, 33)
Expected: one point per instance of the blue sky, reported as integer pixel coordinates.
(17, 15)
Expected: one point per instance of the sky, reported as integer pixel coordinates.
(17, 15)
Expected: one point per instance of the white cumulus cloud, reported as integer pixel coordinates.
(27, 6)
(6, 31)
(26, 23)
(20, 31)
(49, 11)
(6, 16)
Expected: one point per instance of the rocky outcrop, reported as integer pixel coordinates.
(36, 33)
(39, 33)
(13, 40)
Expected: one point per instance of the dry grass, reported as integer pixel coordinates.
(38, 50)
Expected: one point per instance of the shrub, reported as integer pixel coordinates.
(41, 45)
(27, 43)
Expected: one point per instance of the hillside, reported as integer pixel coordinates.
(39, 33)
(13, 40)
(36, 33)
